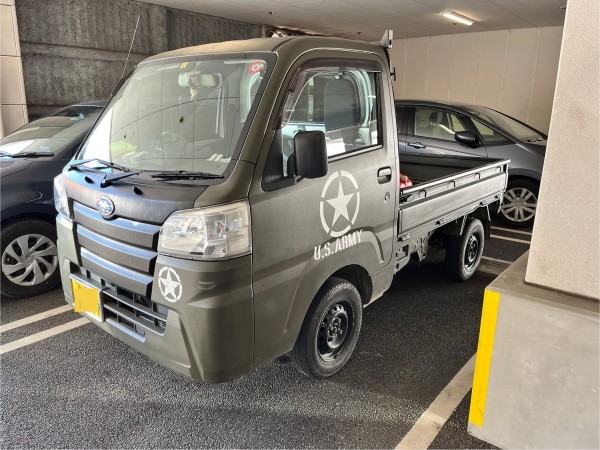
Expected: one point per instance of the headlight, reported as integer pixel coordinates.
(61, 202)
(208, 233)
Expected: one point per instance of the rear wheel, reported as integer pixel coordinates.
(519, 203)
(330, 330)
(29, 258)
(463, 253)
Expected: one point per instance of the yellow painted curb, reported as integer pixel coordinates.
(483, 362)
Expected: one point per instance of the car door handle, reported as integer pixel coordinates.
(417, 145)
(384, 175)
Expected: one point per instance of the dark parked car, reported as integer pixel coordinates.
(468, 130)
(30, 158)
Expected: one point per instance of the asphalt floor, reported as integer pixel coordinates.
(85, 389)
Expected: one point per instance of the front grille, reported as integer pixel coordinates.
(120, 251)
(118, 256)
(131, 312)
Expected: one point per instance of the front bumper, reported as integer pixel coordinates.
(208, 333)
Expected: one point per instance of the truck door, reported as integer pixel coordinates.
(304, 230)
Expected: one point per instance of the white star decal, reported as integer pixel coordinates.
(340, 203)
(169, 284)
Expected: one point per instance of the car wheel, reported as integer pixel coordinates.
(330, 330)
(29, 258)
(519, 203)
(463, 253)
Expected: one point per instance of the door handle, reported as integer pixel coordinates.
(384, 175)
(417, 145)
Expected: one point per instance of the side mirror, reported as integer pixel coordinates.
(467, 138)
(310, 154)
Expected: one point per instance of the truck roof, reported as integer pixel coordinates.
(293, 44)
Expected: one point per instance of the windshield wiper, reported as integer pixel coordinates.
(110, 164)
(27, 154)
(109, 178)
(185, 175)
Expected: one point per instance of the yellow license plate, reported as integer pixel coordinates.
(86, 298)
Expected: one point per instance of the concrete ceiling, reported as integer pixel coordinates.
(368, 19)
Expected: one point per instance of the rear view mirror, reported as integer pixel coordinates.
(467, 138)
(199, 79)
(310, 152)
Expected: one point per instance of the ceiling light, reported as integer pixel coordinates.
(458, 17)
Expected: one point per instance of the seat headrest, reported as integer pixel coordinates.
(342, 109)
(435, 117)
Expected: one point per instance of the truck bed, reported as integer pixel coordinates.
(445, 189)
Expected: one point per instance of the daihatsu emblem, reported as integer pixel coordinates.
(105, 206)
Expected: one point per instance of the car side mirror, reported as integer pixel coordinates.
(467, 138)
(310, 154)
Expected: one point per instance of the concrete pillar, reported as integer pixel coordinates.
(536, 382)
(565, 247)
(13, 106)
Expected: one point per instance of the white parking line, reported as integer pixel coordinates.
(424, 431)
(510, 239)
(35, 318)
(42, 335)
(510, 230)
(503, 261)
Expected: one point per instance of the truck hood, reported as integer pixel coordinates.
(12, 166)
(133, 199)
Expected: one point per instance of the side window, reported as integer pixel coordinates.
(436, 123)
(339, 98)
(489, 136)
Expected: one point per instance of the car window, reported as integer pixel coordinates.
(507, 123)
(339, 98)
(489, 136)
(436, 123)
(341, 103)
(53, 132)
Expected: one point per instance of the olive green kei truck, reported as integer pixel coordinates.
(240, 201)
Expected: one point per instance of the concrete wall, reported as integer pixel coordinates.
(565, 246)
(513, 71)
(75, 50)
(13, 110)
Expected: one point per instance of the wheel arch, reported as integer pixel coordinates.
(27, 216)
(523, 175)
(358, 277)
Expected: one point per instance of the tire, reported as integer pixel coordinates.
(463, 253)
(519, 203)
(330, 330)
(29, 258)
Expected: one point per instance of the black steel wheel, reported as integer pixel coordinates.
(463, 253)
(29, 258)
(330, 330)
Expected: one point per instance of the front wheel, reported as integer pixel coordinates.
(463, 253)
(29, 258)
(330, 330)
(519, 203)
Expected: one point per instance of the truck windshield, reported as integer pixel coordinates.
(183, 114)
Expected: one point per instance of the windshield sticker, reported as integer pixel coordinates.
(338, 209)
(256, 67)
(170, 284)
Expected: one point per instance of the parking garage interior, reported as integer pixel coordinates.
(507, 359)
